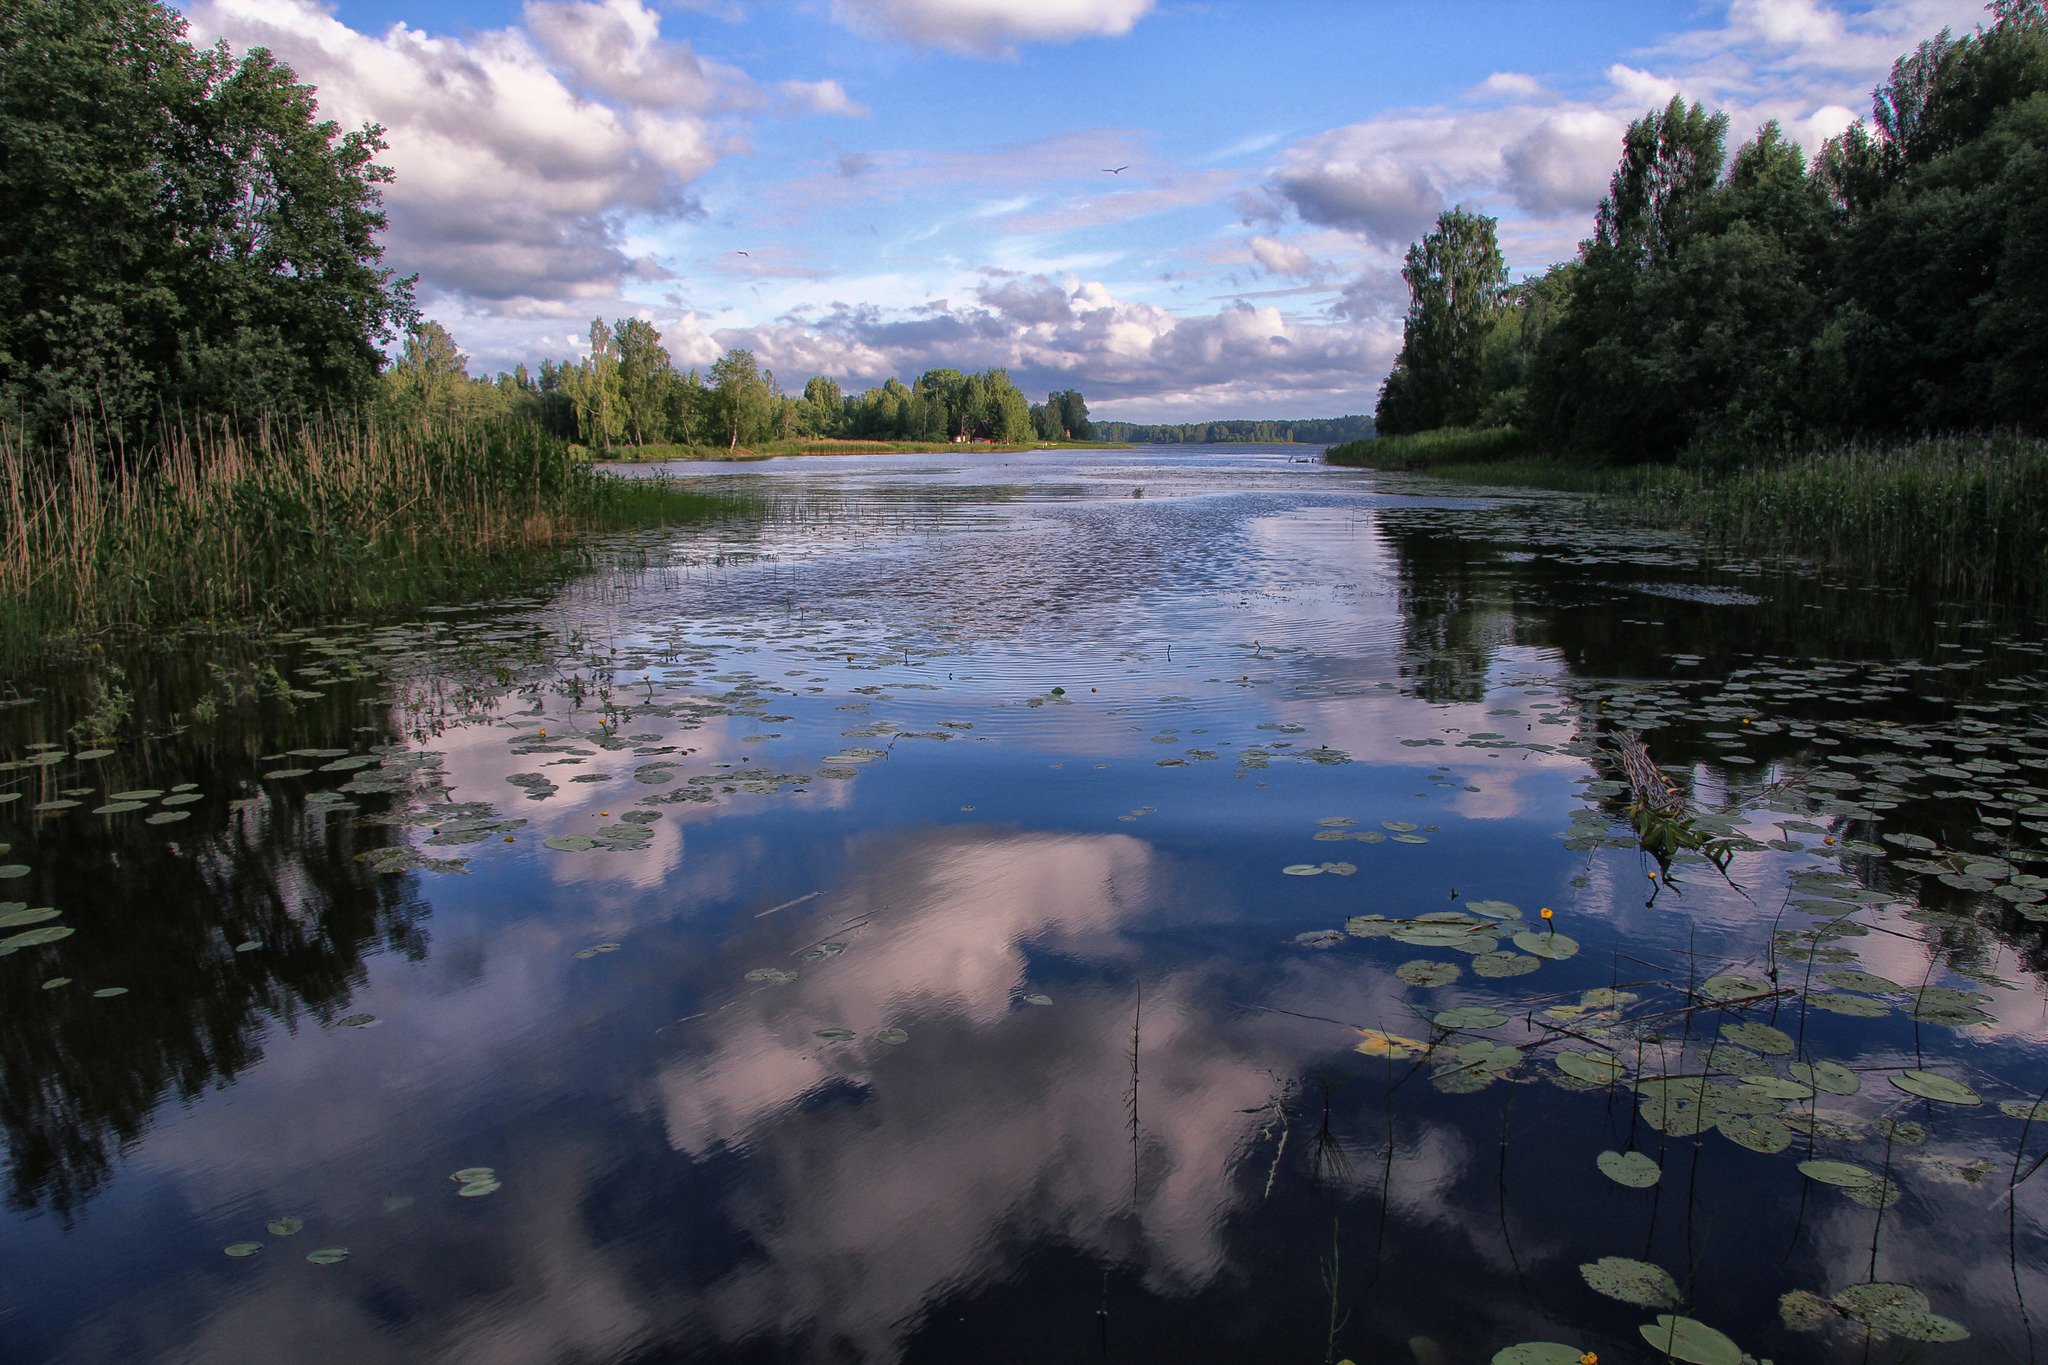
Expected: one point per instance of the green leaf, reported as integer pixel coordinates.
(1843, 1174)
(241, 1249)
(1636, 1170)
(284, 1227)
(1539, 1353)
(327, 1255)
(1934, 1086)
(1424, 972)
(1637, 1282)
(1691, 1340)
(1554, 946)
(1759, 1037)
(1479, 1016)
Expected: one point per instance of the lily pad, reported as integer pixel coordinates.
(1425, 972)
(284, 1227)
(1637, 1170)
(1691, 1340)
(477, 1189)
(1591, 1067)
(1899, 1310)
(1841, 1174)
(1538, 1352)
(1555, 946)
(34, 937)
(596, 948)
(833, 1035)
(1758, 1132)
(1832, 1077)
(1934, 1086)
(14, 919)
(1637, 1282)
(241, 1249)
(327, 1255)
(1037, 998)
(1303, 869)
(1504, 964)
(1729, 986)
(1774, 1042)
(1480, 1016)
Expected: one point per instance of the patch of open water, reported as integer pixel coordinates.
(1061, 906)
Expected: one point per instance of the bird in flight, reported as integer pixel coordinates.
(739, 253)
(1116, 170)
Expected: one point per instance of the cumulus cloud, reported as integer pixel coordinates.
(1561, 165)
(990, 28)
(820, 97)
(1377, 195)
(520, 153)
(1284, 258)
(1057, 332)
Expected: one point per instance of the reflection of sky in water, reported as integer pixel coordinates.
(1244, 649)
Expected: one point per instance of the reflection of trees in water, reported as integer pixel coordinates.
(159, 910)
(1458, 606)
(1462, 599)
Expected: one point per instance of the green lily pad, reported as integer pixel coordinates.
(594, 949)
(1593, 1068)
(470, 1175)
(570, 843)
(895, 1037)
(1758, 1132)
(1494, 909)
(1691, 1340)
(833, 1035)
(1036, 998)
(31, 938)
(1732, 987)
(1762, 1038)
(1775, 1088)
(1479, 1016)
(1832, 1077)
(1637, 1282)
(1934, 1086)
(773, 975)
(109, 992)
(1854, 1006)
(1424, 972)
(12, 870)
(1850, 980)
(1538, 1353)
(1554, 946)
(14, 919)
(241, 1249)
(357, 1020)
(118, 807)
(167, 817)
(327, 1255)
(477, 1189)
(1504, 964)
(1899, 1310)
(2024, 1109)
(284, 1227)
(1303, 869)
(1637, 1170)
(1841, 1174)
(139, 794)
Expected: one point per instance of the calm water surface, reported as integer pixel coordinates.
(936, 921)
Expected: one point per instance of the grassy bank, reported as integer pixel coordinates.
(767, 450)
(1960, 516)
(1499, 455)
(340, 522)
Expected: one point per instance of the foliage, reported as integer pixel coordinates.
(182, 232)
(1285, 431)
(1455, 281)
(1896, 286)
(1426, 449)
(323, 522)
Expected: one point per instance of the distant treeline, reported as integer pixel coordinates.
(628, 392)
(1897, 285)
(1310, 430)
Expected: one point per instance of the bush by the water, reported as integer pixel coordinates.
(347, 520)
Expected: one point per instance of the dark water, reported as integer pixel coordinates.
(865, 935)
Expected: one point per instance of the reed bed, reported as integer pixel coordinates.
(212, 527)
(1427, 450)
(1960, 516)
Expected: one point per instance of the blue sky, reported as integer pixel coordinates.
(922, 182)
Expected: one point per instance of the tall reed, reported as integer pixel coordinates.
(341, 519)
(1961, 516)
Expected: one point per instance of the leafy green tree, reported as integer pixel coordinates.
(182, 231)
(1455, 277)
(429, 370)
(742, 401)
(822, 408)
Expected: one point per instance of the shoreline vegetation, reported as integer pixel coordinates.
(1962, 515)
(771, 450)
(220, 531)
(1836, 357)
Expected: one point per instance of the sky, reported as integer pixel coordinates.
(868, 188)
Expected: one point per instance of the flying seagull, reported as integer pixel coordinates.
(1116, 170)
(739, 253)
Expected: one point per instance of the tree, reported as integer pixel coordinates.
(645, 372)
(1455, 278)
(822, 410)
(182, 232)
(429, 369)
(742, 401)
(1066, 416)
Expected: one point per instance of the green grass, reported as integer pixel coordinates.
(212, 529)
(1961, 516)
(1431, 450)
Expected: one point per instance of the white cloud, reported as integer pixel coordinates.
(1284, 258)
(514, 175)
(820, 97)
(1511, 83)
(991, 28)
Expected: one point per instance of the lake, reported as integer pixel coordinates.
(1167, 905)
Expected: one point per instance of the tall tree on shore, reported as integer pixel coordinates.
(742, 401)
(1456, 277)
(182, 230)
